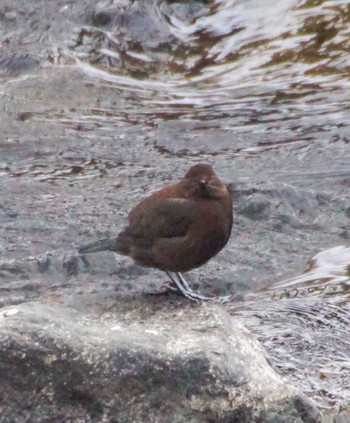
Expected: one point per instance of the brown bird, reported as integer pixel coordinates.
(178, 228)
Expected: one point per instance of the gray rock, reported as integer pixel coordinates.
(138, 361)
(17, 63)
(255, 207)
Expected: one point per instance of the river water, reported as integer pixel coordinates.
(260, 76)
(119, 94)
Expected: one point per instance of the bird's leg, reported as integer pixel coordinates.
(183, 281)
(194, 294)
(185, 290)
(179, 286)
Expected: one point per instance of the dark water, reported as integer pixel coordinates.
(304, 324)
(120, 95)
(271, 75)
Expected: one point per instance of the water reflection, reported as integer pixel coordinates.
(228, 44)
(304, 324)
(277, 73)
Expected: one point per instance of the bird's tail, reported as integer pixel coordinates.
(102, 245)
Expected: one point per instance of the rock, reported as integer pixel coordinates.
(141, 360)
(17, 63)
(255, 207)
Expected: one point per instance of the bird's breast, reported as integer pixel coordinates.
(210, 231)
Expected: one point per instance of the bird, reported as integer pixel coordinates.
(176, 229)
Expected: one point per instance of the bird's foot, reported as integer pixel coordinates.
(182, 286)
(178, 283)
(219, 300)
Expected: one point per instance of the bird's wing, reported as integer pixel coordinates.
(161, 218)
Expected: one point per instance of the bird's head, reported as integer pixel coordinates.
(201, 182)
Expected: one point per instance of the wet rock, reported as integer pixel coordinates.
(254, 207)
(143, 37)
(345, 234)
(15, 64)
(56, 263)
(347, 212)
(103, 17)
(282, 222)
(303, 201)
(143, 361)
(9, 16)
(135, 23)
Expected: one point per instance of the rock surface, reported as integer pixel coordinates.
(139, 360)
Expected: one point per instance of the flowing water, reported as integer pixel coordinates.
(304, 324)
(275, 74)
